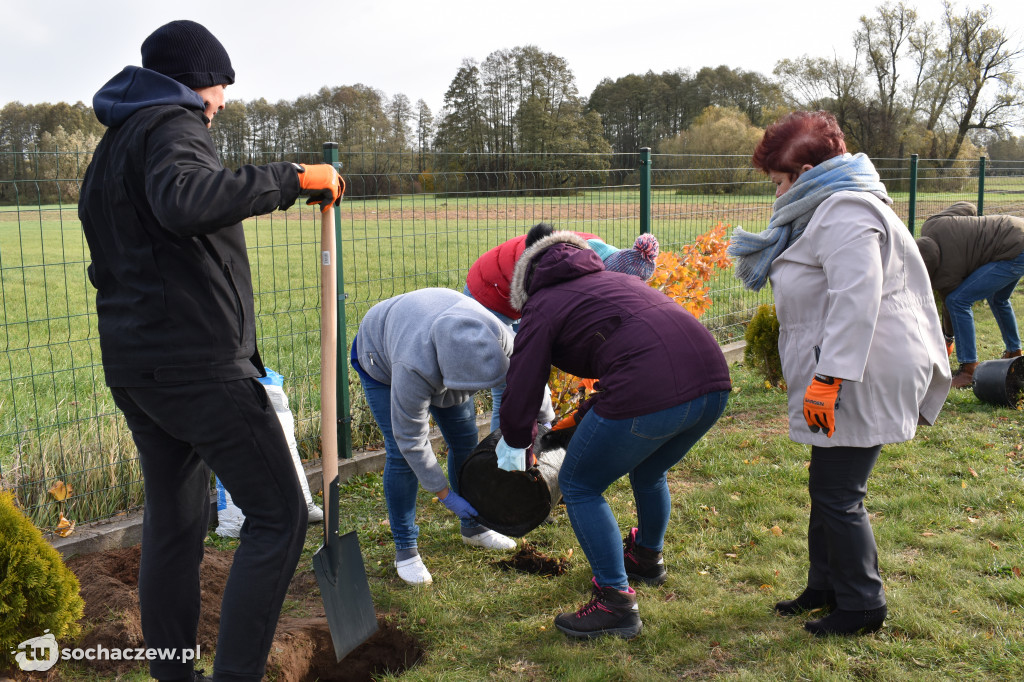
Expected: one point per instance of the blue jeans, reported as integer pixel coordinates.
(497, 391)
(458, 426)
(993, 282)
(644, 448)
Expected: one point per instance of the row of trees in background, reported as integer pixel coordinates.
(943, 89)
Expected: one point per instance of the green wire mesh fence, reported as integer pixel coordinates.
(408, 221)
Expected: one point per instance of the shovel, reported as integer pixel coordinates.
(338, 564)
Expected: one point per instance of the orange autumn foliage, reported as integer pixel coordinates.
(683, 277)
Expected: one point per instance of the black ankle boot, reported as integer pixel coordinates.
(643, 565)
(808, 600)
(841, 622)
(610, 612)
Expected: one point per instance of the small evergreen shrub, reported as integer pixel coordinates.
(37, 591)
(762, 351)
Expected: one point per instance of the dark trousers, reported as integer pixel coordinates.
(182, 432)
(840, 541)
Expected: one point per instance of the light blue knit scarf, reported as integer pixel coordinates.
(755, 251)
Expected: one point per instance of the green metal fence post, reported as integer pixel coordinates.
(912, 210)
(344, 406)
(645, 190)
(981, 185)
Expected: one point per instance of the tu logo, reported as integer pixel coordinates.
(38, 653)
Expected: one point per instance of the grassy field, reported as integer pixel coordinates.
(947, 513)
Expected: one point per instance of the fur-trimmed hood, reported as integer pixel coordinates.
(559, 256)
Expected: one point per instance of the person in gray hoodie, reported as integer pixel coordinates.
(424, 354)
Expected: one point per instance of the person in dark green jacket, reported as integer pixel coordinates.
(174, 302)
(973, 258)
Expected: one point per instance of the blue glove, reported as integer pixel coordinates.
(510, 458)
(458, 506)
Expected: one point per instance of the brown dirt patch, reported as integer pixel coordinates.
(531, 560)
(302, 649)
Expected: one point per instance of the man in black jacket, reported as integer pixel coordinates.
(163, 219)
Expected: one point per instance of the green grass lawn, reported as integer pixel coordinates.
(946, 509)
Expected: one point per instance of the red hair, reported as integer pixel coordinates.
(802, 137)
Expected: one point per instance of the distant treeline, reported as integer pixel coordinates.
(945, 89)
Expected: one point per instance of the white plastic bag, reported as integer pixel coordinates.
(229, 516)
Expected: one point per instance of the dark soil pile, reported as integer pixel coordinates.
(302, 648)
(531, 560)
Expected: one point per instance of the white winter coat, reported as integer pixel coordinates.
(854, 285)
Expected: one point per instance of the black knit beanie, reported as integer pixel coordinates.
(188, 53)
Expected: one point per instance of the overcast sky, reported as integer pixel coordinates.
(64, 50)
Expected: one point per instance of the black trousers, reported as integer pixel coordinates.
(182, 432)
(840, 541)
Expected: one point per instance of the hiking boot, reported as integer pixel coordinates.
(610, 612)
(964, 377)
(841, 622)
(643, 565)
(808, 600)
(1011, 354)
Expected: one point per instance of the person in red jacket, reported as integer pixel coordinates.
(490, 276)
(488, 283)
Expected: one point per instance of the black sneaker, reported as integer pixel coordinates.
(610, 612)
(642, 564)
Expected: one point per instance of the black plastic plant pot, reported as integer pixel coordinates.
(1001, 382)
(514, 502)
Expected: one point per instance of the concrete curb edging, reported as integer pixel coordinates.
(126, 531)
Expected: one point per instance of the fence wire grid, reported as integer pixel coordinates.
(408, 222)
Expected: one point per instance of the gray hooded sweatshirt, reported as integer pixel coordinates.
(433, 347)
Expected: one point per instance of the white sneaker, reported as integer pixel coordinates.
(316, 514)
(490, 539)
(413, 571)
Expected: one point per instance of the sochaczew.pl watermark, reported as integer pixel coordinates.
(39, 654)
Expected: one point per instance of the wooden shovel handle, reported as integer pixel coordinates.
(328, 358)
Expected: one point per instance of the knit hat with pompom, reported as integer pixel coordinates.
(638, 260)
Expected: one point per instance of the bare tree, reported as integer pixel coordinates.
(986, 62)
(885, 39)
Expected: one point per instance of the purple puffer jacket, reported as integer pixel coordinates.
(647, 351)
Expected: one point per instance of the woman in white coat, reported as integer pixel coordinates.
(858, 321)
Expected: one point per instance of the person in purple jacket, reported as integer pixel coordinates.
(663, 382)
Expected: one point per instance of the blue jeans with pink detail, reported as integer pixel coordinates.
(643, 448)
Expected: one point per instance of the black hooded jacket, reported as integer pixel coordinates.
(163, 219)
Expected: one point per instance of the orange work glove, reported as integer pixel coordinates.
(821, 399)
(949, 345)
(321, 183)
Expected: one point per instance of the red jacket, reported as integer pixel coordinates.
(489, 277)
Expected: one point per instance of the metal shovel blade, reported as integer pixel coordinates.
(340, 572)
